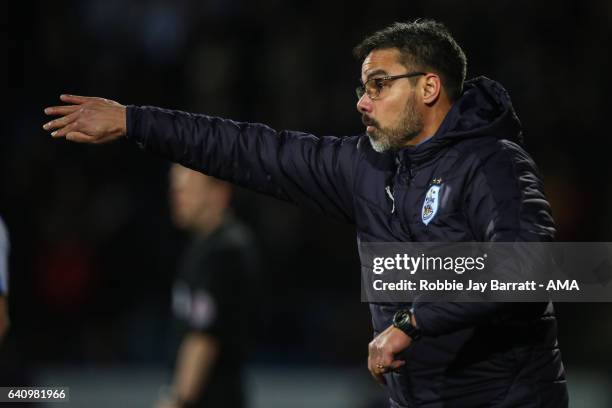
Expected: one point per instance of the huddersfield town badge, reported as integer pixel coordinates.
(430, 205)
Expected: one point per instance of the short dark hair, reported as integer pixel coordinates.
(424, 45)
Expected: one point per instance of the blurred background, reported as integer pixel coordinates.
(93, 248)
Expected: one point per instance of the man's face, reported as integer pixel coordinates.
(191, 196)
(393, 119)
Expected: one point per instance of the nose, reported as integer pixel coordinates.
(364, 104)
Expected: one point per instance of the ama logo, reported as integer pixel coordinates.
(432, 201)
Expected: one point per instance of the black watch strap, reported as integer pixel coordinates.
(403, 321)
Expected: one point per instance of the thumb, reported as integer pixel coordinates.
(79, 137)
(395, 364)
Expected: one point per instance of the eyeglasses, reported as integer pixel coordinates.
(374, 86)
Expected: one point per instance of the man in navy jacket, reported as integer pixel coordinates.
(441, 161)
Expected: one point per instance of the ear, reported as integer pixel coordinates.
(431, 88)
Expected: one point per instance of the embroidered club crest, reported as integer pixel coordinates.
(430, 205)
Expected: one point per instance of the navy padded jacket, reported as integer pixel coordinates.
(471, 354)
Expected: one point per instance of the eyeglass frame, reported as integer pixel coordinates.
(361, 89)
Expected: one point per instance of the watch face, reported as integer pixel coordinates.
(400, 317)
(403, 321)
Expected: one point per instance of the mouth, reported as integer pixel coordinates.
(369, 123)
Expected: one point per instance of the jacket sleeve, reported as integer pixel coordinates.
(504, 202)
(297, 167)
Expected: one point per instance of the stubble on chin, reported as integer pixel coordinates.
(379, 143)
(394, 138)
(383, 140)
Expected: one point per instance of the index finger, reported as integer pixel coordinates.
(379, 377)
(376, 374)
(62, 110)
(76, 98)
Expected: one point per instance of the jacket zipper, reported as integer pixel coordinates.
(390, 194)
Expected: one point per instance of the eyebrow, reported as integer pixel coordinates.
(376, 72)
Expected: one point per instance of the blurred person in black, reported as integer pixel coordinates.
(210, 297)
(441, 160)
(4, 252)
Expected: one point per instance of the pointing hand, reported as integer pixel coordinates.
(87, 120)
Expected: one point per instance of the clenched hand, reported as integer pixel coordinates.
(87, 119)
(382, 351)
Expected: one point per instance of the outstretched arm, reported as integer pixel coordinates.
(294, 166)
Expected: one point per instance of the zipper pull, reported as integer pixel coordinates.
(390, 194)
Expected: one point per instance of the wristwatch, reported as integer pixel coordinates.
(403, 321)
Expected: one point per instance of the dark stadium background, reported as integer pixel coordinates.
(93, 249)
